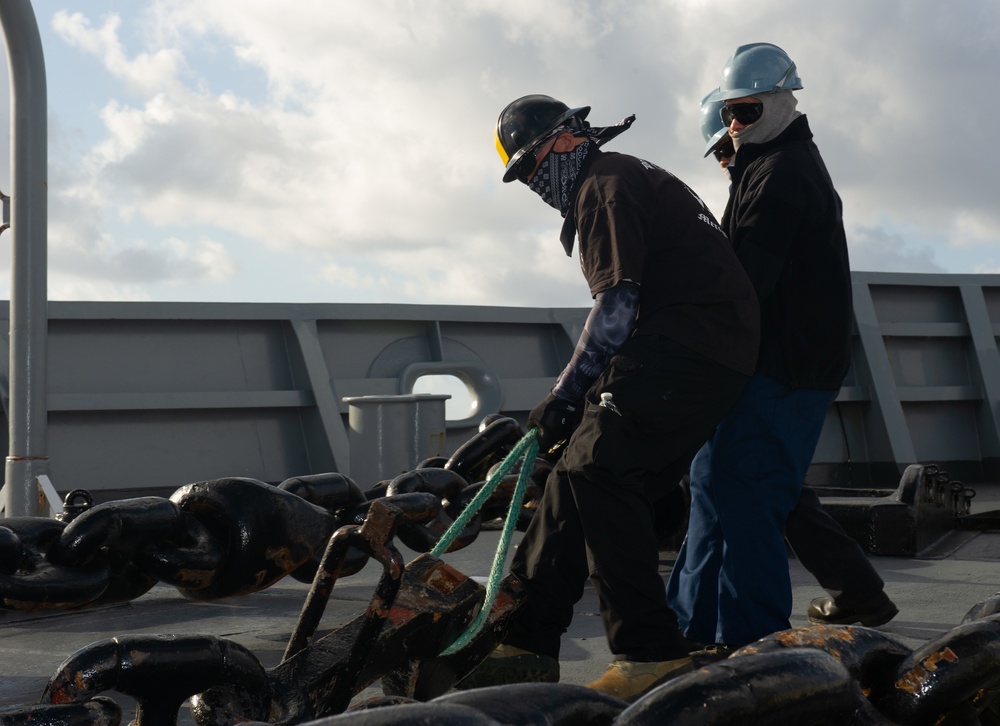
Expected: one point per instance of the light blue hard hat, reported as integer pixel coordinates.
(754, 69)
(712, 127)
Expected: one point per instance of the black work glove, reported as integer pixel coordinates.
(555, 419)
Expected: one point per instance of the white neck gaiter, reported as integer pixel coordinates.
(779, 111)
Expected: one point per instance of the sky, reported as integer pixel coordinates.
(342, 150)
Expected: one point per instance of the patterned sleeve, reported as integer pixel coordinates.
(608, 326)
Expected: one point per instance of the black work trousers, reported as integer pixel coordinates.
(831, 555)
(595, 517)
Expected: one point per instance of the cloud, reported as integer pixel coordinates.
(974, 228)
(358, 135)
(876, 249)
(352, 153)
(144, 72)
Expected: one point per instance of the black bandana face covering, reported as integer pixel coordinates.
(556, 175)
(553, 181)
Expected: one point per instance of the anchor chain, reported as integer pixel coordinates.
(237, 535)
(415, 611)
(819, 675)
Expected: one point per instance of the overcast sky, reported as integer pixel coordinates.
(342, 150)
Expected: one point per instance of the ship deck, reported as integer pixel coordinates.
(933, 591)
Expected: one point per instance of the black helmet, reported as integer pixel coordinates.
(524, 122)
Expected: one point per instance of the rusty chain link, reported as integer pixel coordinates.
(837, 675)
(234, 536)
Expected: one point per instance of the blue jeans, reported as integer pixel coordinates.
(730, 583)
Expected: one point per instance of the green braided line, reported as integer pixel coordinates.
(483, 494)
(529, 446)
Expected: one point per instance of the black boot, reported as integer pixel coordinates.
(870, 613)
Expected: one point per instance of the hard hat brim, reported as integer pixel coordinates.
(714, 141)
(730, 94)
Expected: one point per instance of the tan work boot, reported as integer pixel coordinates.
(507, 664)
(628, 679)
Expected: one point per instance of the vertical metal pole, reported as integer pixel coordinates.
(27, 457)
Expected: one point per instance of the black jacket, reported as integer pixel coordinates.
(784, 219)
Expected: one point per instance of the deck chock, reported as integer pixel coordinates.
(924, 507)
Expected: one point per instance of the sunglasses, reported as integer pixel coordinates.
(745, 113)
(724, 150)
(526, 166)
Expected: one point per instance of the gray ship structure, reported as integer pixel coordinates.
(289, 514)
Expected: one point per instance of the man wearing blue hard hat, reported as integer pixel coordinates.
(730, 585)
(717, 139)
(817, 539)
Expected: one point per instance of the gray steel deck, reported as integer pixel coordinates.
(933, 592)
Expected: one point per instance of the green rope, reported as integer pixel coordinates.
(528, 446)
(483, 494)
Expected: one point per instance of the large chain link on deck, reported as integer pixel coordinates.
(235, 535)
(813, 676)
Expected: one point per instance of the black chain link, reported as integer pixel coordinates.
(234, 536)
(821, 674)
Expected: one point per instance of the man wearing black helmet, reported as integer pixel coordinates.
(668, 346)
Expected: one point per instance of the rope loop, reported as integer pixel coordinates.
(528, 448)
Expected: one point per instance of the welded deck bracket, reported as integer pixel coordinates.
(901, 522)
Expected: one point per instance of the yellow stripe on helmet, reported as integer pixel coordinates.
(500, 150)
